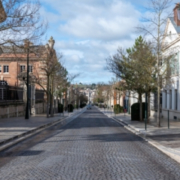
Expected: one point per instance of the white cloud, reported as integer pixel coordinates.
(89, 31)
(108, 23)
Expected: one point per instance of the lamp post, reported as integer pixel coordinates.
(27, 46)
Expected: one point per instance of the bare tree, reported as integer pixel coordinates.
(20, 21)
(154, 26)
(2, 13)
(48, 70)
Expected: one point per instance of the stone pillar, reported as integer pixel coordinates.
(173, 99)
(168, 99)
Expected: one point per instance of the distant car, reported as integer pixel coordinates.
(89, 106)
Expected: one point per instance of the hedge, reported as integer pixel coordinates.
(118, 109)
(70, 108)
(135, 111)
(60, 108)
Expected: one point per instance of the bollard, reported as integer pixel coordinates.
(168, 119)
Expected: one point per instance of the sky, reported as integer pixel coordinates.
(87, 32)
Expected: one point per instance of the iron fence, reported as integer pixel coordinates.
(10, 93)
(39, 95)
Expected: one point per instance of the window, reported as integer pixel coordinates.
(0, 69)
(6, 69)
(30, 68)
(170, 34)
(174, 64)
(22, 68)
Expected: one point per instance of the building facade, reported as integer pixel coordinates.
(171, 42)
(13, 68)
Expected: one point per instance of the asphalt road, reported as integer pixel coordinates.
(91, 147)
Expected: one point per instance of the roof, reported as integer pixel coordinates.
(17, 52)
(13, 49)
(9, 49)
(177, 28)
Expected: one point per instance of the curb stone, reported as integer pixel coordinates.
(19, 138)
(172, 153)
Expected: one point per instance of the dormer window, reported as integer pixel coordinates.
(170, 34)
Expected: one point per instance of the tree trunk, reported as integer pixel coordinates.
(149, 101)
(47, 109)
(52, 105)
(52, 99)
(65, 102)
(140, 106)
(158, 78)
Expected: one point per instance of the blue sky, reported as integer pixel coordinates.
(89, 31)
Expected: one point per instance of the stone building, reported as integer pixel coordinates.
(13, 67)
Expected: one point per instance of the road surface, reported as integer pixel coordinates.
(91, 147)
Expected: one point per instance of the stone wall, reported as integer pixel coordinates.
(7, 111)
(18, 110)
(40, 108)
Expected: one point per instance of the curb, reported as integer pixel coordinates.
(172, 153)
(21, 137)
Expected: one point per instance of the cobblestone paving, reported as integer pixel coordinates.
(92, 147)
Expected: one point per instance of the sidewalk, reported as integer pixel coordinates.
(166, 140)
(15, 128)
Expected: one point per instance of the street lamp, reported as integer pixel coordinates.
(27, 45)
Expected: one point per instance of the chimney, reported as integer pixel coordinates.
(177, 14)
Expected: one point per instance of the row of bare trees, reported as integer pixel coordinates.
(144, 67)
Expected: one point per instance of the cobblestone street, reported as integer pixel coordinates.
(91, 147)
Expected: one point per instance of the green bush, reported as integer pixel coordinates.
(82, 105)
(118, 109)
(135, 111)
(60, 108)
(76, 106)
(70, 108)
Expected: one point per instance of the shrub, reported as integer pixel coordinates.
(118, 109)
(135, 111)
(60, 108)
(70, 108)
(76, 106)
